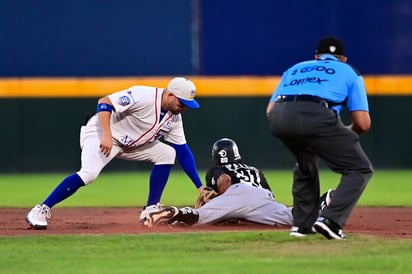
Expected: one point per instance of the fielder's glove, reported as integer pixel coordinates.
(205, 196)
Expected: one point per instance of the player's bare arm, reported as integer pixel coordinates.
(361, 121)
(103, 115)
(223, 183)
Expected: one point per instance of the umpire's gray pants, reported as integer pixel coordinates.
(311, 131)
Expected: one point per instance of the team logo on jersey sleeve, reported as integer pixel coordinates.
(124, 100)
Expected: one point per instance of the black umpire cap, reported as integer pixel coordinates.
(331, 45)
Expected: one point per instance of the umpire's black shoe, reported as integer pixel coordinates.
(329, 229)
(326, 199)
(296, 231)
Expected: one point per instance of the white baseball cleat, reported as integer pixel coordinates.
(37, 216)
(148, 209)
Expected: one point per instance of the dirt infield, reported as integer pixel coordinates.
(381, 221)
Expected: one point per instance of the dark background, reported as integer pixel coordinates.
(214, 37)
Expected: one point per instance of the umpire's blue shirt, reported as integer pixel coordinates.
(328, 78)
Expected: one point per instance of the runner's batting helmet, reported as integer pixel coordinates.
(225, 151)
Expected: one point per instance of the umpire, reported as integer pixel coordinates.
(303, 113)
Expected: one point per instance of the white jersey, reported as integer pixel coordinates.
(136, 118)
(136, 125)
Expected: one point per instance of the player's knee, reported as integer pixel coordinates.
(167, 157)
(88, 176)
(367, 173)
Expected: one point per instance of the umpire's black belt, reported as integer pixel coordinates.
(302, 98)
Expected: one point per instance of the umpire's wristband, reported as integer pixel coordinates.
(104, 107)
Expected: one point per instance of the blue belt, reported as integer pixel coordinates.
(302, 98)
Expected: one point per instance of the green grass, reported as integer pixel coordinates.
(387, 187)
(206, 252)
(220, 252)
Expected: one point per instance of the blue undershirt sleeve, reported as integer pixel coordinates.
(187, 161)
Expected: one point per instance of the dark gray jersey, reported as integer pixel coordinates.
(239, 173)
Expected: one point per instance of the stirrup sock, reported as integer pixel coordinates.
(64, 190)
(158, 179)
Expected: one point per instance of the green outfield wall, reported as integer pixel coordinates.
(42, 134)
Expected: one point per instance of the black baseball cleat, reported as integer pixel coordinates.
(326, 199)
(329, 229)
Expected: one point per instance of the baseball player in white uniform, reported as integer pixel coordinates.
(244, 194)
(129, 125)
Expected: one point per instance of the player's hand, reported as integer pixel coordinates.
(106, 146)
(205, 196)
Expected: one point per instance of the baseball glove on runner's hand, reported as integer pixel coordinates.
(205, 196)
